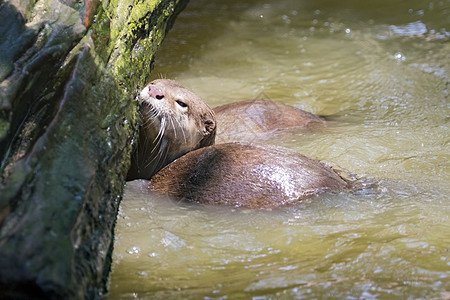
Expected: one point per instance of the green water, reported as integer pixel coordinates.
(380, 71)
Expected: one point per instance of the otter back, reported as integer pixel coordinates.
(244, 175)
(245, 121)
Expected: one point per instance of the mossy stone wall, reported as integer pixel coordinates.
(69, 74)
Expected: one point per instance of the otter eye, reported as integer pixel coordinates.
(181, 103)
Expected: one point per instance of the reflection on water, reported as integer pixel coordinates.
(379, 71)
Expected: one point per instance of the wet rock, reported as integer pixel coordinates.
(68, 75)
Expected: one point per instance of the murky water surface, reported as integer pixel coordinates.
(380, 71)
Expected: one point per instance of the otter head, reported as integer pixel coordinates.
(174, 122)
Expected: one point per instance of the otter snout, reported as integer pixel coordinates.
(155, 92)
(152, 91)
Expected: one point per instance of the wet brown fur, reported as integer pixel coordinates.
(246, 121)
(244, 175)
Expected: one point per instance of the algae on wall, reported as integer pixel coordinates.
(69, 72)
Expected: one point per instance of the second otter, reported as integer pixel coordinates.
(249, 120)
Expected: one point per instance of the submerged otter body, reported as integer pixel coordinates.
(244, 175)
(174, 122)
(248, 120)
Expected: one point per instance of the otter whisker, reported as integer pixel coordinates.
(151, 120)
(154, 115)
(182, 130)
(176, 126)
(160, 156)
(162, 128)
(159, 137)
(151, 159)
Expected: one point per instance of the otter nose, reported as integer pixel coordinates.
(155, 92)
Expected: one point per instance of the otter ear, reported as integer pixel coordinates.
(209, 134)
(210, 126)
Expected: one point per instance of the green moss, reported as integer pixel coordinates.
(135, 43)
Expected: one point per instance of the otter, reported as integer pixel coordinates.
(246, 175)
(174, 121)
(249, 120)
